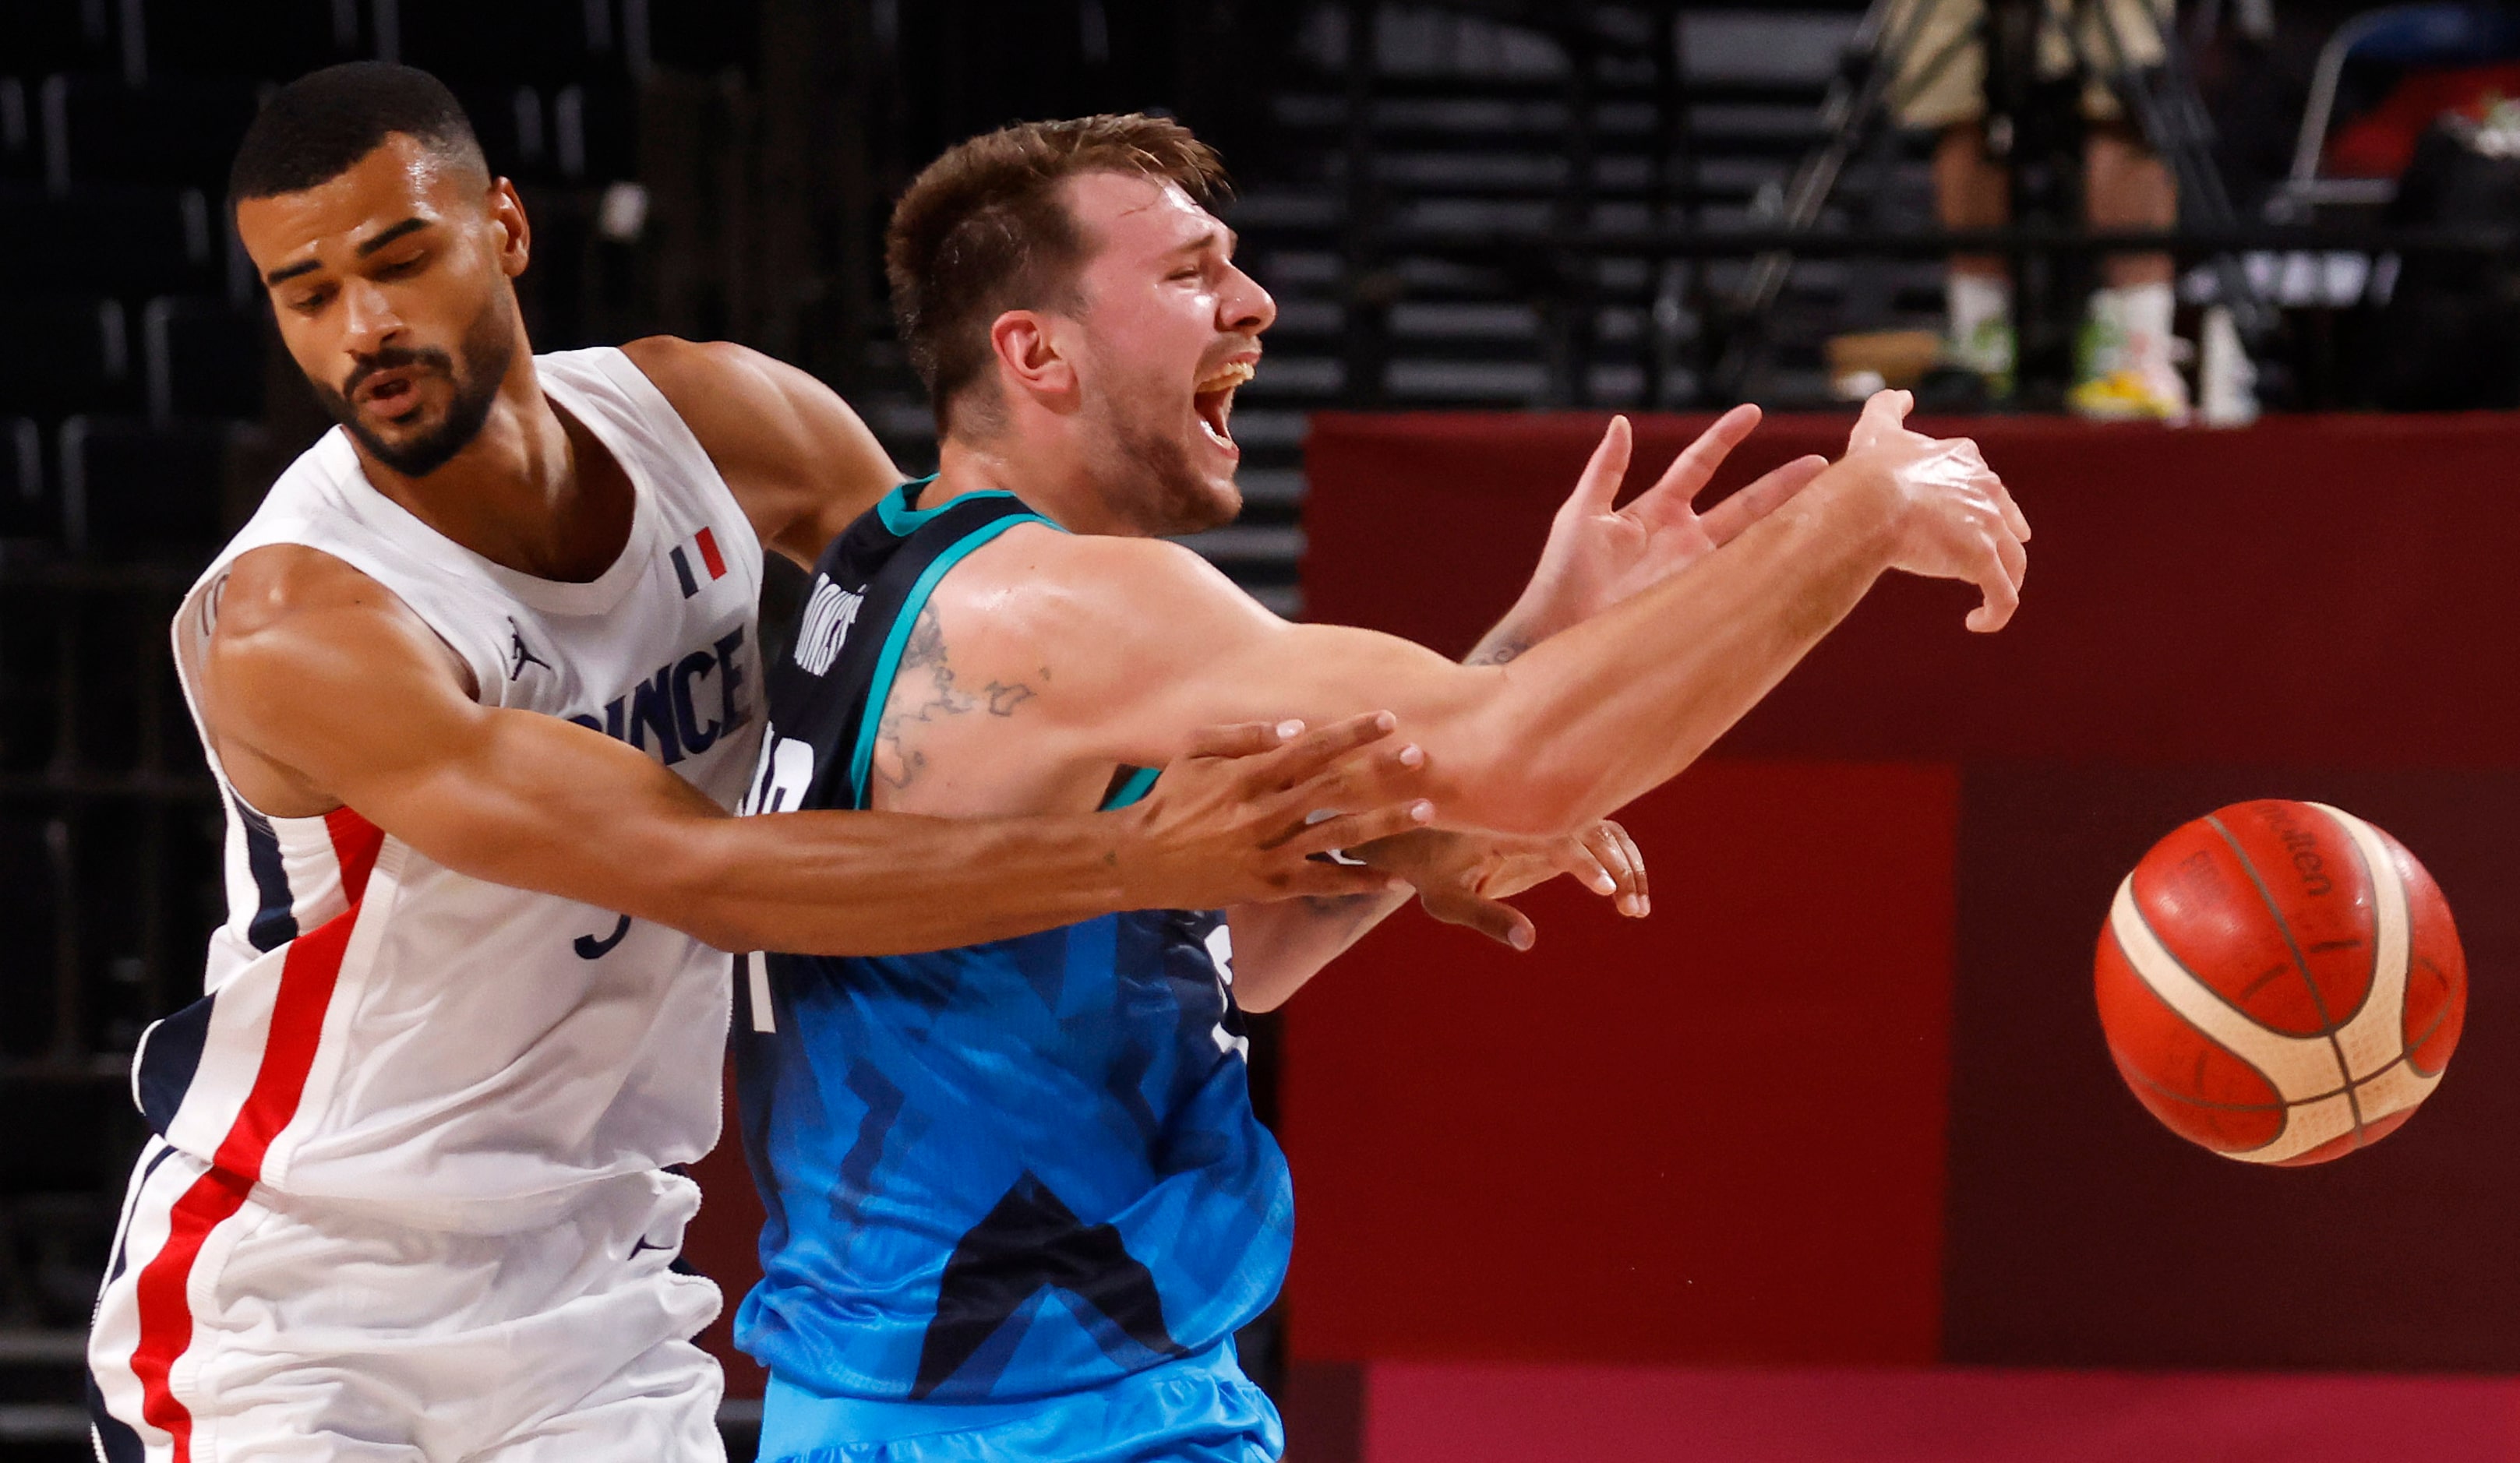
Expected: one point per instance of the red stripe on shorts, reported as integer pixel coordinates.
(307, 976)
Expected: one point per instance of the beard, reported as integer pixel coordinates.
(1146, 474)
(489, 349)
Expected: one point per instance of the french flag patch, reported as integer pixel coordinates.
(710, 560)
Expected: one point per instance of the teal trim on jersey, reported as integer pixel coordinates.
(889, 664)
(1139, 781)
(902, 520)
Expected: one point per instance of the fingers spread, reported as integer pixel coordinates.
(1725, 522)
(1696, 465)
(1354, 830)
(1598, 486)
(1250, 738)
(1300, 760)
(1316, 879)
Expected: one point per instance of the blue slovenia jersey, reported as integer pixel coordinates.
(1006, 1170)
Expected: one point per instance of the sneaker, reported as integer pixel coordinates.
(2125, 376)
(1987, 353)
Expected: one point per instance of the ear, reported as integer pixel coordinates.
(1029, 359)
(515, 235)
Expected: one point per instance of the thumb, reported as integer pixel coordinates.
(1885, 412)
(1598, 486)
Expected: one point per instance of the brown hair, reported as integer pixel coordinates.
(982, 231)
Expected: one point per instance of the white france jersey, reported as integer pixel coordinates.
(378, 1031)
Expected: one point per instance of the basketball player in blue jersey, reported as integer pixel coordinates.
(480, 687)
(1018, 1202)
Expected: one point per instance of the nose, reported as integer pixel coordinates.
(1243, 306)
(369, 316)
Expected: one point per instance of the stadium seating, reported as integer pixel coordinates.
(201, 358)
(180, 131)
(271, 40)
(26, 510)
(66, 353)
(131, 487)
(109, 239)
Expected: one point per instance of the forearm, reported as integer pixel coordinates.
(1604, 710)
(1278, 947)
(890, 883)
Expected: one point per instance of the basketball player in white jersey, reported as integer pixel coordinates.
(480, 684)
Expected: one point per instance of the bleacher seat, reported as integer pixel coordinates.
(57, 36)
(500, 40)
(21, 161)
(177, 130)
(26, 510)
(595, 131)
(131, 487)
(29, 881)
(270, 40)
(66, 353)
(515, 128)
(201, 358)
(108, 239)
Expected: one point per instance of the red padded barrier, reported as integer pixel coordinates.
(1716, 1134)
(2295, 592)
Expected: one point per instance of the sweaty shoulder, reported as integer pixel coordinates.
(288, 599)
(1113, 610)
(797, 459)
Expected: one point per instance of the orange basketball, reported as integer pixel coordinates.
(2280, 982)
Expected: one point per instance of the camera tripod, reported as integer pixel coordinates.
(2032, 123)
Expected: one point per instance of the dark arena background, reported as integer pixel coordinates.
(1827, 1160)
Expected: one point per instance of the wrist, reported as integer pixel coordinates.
(1870, 504)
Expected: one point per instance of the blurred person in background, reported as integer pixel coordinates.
(2124, 366)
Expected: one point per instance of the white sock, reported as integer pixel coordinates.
(1973, 299)
(2139, 310)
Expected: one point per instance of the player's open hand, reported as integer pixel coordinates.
(1957, 520)
(1238, 819)
(1599, 553)
(1465, 879)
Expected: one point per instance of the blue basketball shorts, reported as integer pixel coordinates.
(1199, 1409)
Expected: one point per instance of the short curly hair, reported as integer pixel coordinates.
(982, 231)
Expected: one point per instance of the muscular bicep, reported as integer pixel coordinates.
(356, 701)
(1142, 643)
(801, 462)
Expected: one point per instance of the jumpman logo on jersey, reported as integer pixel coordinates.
(519, 656)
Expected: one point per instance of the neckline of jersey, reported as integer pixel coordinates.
(901, 520)
(593, 597)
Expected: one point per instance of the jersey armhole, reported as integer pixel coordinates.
(887, 663)
(1129, 785)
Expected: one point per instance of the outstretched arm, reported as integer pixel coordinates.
(1132, 641)
(1599, 553)
(322, 689)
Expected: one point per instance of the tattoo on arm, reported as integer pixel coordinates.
(925, 690)
(1503, 650)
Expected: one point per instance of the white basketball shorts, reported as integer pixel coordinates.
(246, 1325)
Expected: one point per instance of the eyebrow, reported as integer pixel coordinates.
(406, 226)
(1193, 247)
(287, 272)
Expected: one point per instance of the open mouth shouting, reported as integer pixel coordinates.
(1213, 401)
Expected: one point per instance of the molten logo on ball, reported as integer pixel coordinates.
(2280, 982)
